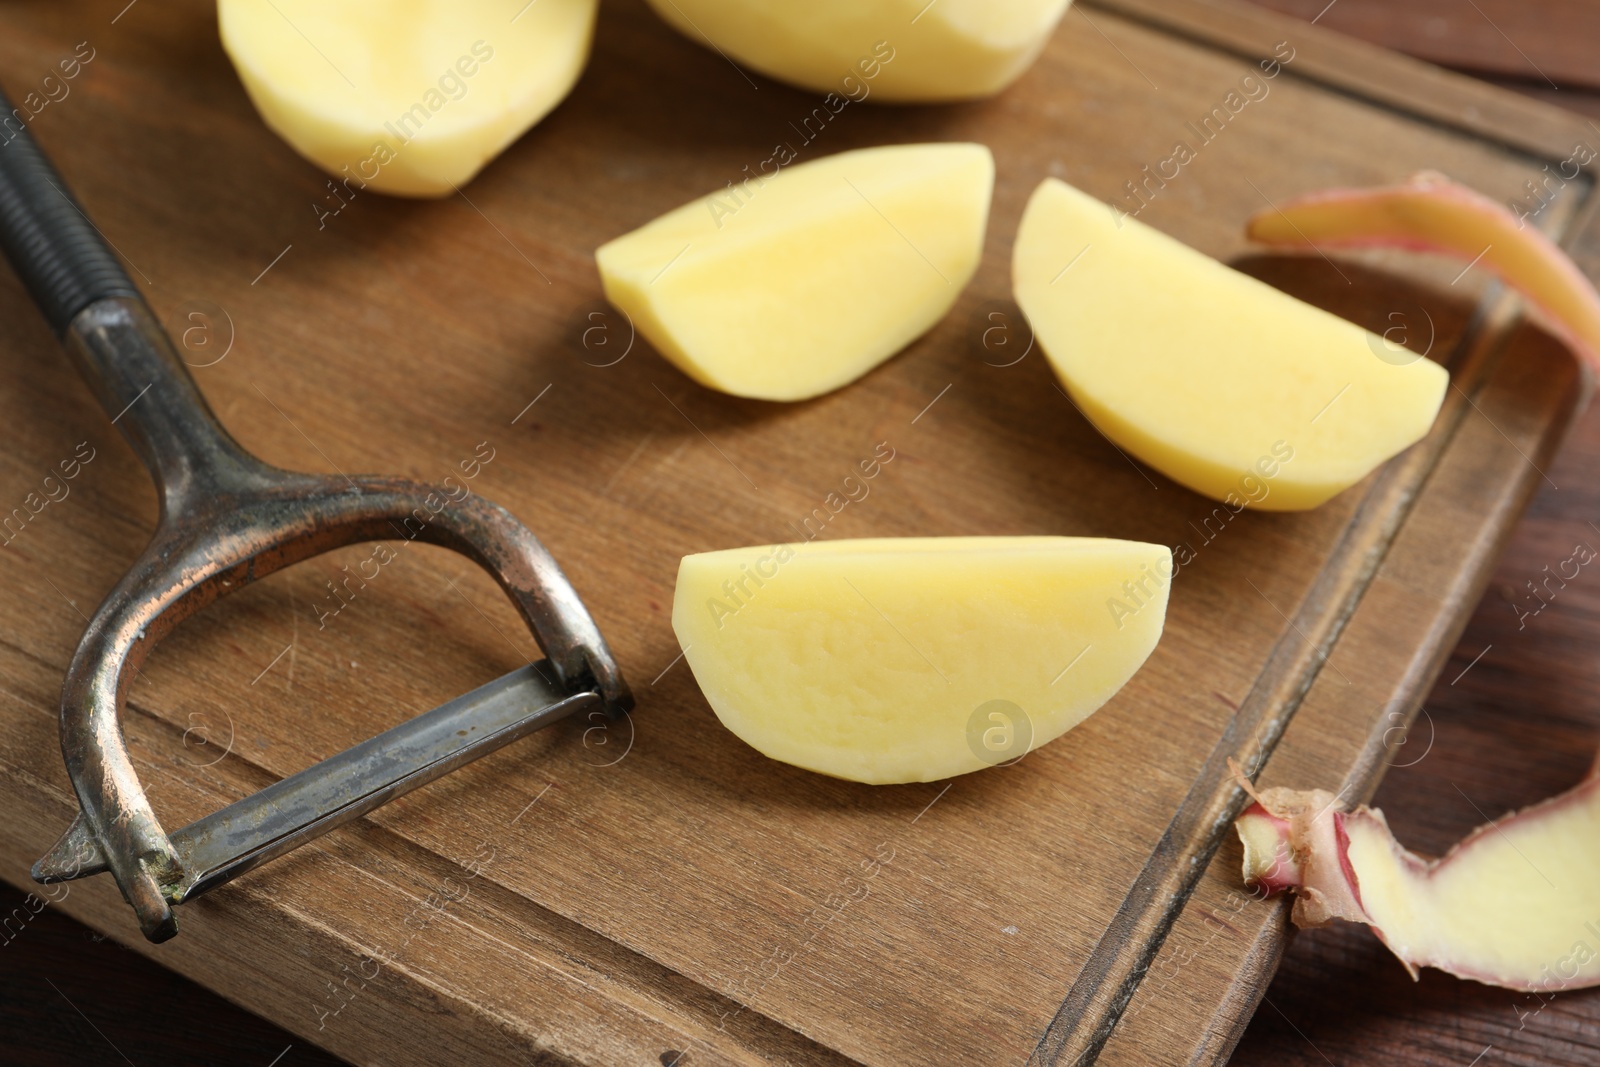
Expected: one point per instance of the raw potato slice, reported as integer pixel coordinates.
(793, 285)
(914, 659)
(412, 99)
(1516, 904)
(1219, 381)
(894, 50)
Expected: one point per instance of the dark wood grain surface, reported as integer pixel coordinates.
(1543, 42)
(1519, 724)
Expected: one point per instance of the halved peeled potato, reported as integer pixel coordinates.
(1221, 382)
(788, 286)
(914, 659)
(894, 50)
(412, 99)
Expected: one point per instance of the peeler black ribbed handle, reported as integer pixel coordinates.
(52, 245)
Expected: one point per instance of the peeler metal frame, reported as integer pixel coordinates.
(227, 519)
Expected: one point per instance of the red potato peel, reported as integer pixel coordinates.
(1431, 213)
(1515, 904)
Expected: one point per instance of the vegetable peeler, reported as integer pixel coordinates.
(227, 519)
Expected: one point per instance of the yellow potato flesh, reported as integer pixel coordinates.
(811, 278)
(1231, 387)
(409, 98)
(878, 660)
(890, 50)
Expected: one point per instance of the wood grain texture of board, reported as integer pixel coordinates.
(634, 892)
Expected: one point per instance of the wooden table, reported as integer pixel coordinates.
(1339, 998)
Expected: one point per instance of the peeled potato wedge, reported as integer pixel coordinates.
(1219, 381)
(891, 50)
(412, 99)
(788, 287)
(914, 659)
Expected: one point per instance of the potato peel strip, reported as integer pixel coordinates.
(1431, 213)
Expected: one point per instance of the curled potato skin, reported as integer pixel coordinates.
(1432, 213)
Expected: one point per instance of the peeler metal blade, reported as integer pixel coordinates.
(240, 837)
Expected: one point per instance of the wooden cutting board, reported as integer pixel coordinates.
(657, 892)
